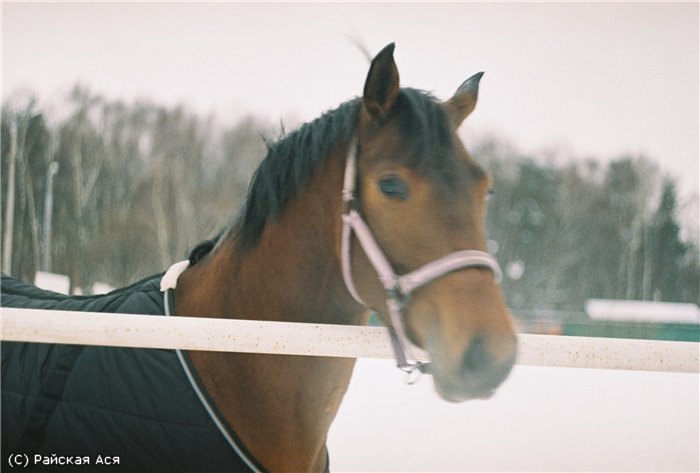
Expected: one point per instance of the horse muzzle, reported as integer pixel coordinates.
(476, 372)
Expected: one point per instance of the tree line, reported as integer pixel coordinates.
(581, 230)
(113, 191)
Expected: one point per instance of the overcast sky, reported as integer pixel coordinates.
(594, 79)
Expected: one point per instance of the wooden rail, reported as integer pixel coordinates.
(188, 333)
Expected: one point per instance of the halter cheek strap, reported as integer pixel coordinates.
(398, 288)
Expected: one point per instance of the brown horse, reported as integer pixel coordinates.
(294, 255)
(375, 205)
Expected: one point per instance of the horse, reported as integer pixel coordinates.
(375, 206)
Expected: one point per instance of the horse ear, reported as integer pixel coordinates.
(463, 101)
(382, 84)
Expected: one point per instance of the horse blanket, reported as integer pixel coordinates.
(89, 408)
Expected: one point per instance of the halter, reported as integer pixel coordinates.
(398, 288)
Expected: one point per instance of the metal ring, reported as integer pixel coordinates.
(413, 373)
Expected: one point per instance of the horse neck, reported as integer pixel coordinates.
(281, 407)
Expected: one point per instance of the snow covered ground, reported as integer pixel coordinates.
(542, 419)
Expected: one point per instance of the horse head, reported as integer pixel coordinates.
(423, 199)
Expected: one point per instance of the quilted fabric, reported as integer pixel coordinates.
(99, 403)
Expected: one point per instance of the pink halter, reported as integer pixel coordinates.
(398, 288)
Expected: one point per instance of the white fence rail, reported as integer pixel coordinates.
(188, 333)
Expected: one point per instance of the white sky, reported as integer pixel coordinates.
(594, 79)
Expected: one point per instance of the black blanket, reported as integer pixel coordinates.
(88, 408)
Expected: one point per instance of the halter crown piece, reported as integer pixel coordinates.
(398, 288)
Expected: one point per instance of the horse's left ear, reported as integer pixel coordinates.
(463, 101)
(382, 84)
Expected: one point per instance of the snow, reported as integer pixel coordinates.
(643, 311)
(52, 282)
(542, 419)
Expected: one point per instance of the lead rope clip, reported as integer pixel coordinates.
(414, 372)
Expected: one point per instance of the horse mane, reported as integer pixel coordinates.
(289, 165)
(292, 160)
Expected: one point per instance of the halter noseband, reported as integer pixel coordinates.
(398, 288)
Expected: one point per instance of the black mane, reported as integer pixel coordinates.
(290, 164)
(291, 161)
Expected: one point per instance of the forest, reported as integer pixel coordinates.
(112, 191)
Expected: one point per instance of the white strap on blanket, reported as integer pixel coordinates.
(169, 280)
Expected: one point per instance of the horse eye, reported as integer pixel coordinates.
(394, 187)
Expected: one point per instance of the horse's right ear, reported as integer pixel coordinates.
(382, 84)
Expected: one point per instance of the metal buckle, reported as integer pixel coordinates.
(415, 371)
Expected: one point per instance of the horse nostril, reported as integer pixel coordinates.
(477, 357)
(483, 366)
